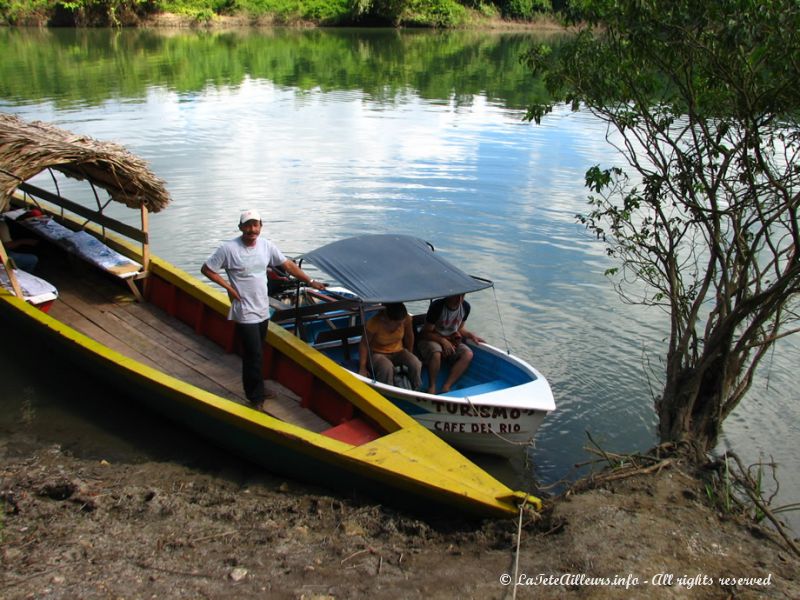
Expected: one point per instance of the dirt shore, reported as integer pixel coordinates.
(79, 528)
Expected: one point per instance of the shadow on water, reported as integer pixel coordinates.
(45, 403)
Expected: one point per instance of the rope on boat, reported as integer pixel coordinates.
(491, 430)
(519, 539)
(508, 351)
(500, 317)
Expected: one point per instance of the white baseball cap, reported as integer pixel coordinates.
(249, 215)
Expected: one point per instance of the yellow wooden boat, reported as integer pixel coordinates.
(161, 335)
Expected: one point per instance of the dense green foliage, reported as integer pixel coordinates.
(701, 99)
(283, 11)
(74, 67)
(429, 13)
(73, 12)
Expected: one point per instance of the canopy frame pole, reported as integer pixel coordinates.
(365, 337)
(298, 319)
(100, 207)
(58, 190)
(9, 266)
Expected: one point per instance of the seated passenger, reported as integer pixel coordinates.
(389, 342)
(23, 260)
(443, 336)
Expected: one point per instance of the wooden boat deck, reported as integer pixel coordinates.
(105, 310)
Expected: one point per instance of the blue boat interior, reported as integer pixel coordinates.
(338, 335)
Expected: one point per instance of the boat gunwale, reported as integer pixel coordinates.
(326, 449)
(309, 443)
(538, 387)
(541, 398)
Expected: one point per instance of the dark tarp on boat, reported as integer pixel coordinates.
(392, 268)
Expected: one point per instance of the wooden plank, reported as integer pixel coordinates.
(179, 333)
(127, 339)
(103, 298)
(105, 311)
(73, 312)
(65, 313)
(286, 407)
(68, 272)
(223, 368)
(161, 335)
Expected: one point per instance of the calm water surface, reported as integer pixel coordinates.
(332, 134)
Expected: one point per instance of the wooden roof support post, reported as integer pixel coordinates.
(146, 242)
(145, 251)
(9, 267)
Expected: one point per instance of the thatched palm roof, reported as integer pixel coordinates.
(27, 149)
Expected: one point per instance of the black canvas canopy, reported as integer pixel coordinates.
(392, 268)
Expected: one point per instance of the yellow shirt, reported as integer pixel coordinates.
(381, 339)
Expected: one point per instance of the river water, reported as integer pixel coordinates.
(337, 133)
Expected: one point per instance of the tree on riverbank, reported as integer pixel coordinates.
(425, 13)
(701, 98)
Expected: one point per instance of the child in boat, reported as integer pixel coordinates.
(389, 342)
(443, 336)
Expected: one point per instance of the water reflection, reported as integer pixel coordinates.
(91, 419)
(82, 67)
(333, 134)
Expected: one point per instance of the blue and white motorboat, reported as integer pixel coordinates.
(495, 407)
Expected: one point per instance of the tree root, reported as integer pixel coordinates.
(623, 466)
(745, 482)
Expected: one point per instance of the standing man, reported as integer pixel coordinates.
(442, 338)
(245, 260)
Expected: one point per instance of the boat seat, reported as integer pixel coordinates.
(417, 322)
(34, 289)
(343, 336)
(355, 432)
(481, 388)
(87, 247)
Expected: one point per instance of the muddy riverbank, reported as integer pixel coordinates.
(76, 527)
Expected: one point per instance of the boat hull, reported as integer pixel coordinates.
(395, 468)
(496, 407)
(476, 425)
(160, 335)
(494, 417)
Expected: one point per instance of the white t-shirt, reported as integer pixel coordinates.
(246, 269)
(447, 321)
